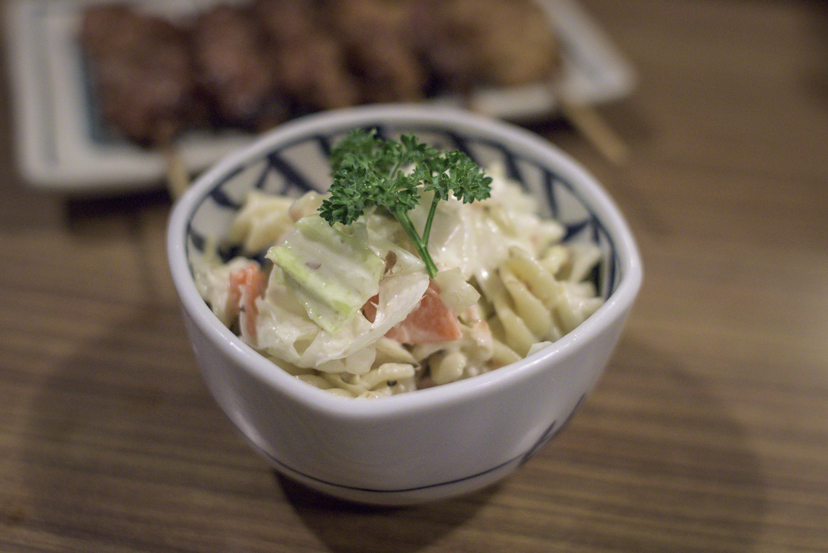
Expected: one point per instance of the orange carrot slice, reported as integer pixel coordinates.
(246, 285)
(430, 322)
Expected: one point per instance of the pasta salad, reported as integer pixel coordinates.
(359, 310)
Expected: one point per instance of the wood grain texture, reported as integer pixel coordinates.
(708, 432)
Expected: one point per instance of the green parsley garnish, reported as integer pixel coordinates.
(369, 171)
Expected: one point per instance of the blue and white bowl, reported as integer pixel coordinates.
(434, 443)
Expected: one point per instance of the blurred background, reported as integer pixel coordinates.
(706, 120)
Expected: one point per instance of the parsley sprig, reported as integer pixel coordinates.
(369, 171)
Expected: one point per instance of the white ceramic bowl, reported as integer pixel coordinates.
(434, 443)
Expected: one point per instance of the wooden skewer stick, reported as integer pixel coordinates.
(596, 130)
(583, 117)
(592, 126)
(178, 178)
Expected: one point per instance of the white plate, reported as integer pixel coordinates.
(60, 146)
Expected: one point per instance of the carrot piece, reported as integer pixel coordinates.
(430, 322)
(246, 285)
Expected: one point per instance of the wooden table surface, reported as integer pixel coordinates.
(708, 431)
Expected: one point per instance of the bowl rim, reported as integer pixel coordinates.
(615, 307)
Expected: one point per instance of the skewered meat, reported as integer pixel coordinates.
(309, 63)
(376, 36)
(287, 21)
(255, 63)
(312, 73)
(143, 72)
(234, 66)
(495, 42)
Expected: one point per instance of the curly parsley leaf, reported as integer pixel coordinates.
(369, 171)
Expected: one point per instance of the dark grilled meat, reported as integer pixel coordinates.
(142, 71)
(310, 64)
(494, 42)
(256, 63)
(376, 35)
(235, 68)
